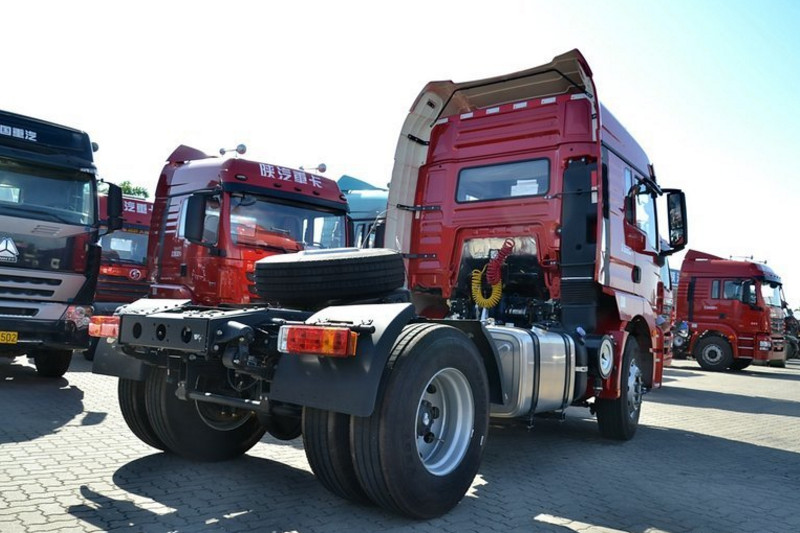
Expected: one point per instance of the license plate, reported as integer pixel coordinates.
(8, 337)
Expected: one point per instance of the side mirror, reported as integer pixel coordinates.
(114, 207)
(195, 218)
(676, 217)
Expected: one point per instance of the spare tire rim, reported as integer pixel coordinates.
(445, 420)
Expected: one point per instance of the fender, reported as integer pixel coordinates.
(343, 385)
(721, 330)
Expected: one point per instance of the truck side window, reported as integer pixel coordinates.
(715, 289)
(646, 216)
(211, 225)
(732, 290)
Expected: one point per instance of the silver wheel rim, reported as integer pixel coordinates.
(635, 389)
(444, 423)
(712, 354)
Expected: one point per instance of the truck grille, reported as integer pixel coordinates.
(117, 289)
(15, 311)
(15, 286)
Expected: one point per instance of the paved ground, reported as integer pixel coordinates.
(714, 453)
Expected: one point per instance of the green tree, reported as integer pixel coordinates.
(134, 190)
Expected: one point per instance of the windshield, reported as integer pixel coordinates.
(43, 193)
(771, 292)
(124, 246)
(264, 222)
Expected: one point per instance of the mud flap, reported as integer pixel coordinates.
(110, 361)
(343, 385)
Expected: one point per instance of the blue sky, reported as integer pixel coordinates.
(708, 88)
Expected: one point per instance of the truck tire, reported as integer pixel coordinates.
(314, 276)
(186, 431)
(52, 363)
(131, 398)
(740, 364)
(791, 348)
(88, 353)
(326, 439)
(713, 353)
(619, 418)
(419, 451)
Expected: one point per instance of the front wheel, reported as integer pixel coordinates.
(619, 418)
(52, 363)
(89, 352)
(713, 353)
(420, 450)
(198, 430)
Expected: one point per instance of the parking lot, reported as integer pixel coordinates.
(714, 452)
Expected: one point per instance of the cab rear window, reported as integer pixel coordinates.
(506, 180)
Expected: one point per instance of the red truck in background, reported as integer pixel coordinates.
(729, 313)
(123, 260)
(526, 281)
(247, 210)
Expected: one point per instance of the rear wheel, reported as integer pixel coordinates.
(131, 396)
(420, 450)
(198, 430)
(619, 418)
(326, 439)
(713, 353)
(52, 363)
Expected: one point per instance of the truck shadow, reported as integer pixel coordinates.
(738, 403)
(246, 494)
(22, 395)
(559, 477)
(565, 476)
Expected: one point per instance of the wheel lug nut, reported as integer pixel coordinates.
(429, 437)
(431, 389)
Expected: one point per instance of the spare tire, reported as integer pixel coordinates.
(314, 277)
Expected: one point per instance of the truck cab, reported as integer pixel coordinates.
(733, 310)
(49, 224)
(123, 260)
(213, 218)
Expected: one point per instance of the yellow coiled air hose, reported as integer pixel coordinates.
(477, 293)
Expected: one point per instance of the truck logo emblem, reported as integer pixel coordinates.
(8, 251)
(135, 274)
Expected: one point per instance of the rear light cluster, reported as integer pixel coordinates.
(317, 340)
(104, 326)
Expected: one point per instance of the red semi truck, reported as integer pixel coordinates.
(123, 261)
(730, 313)
(526, 281)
